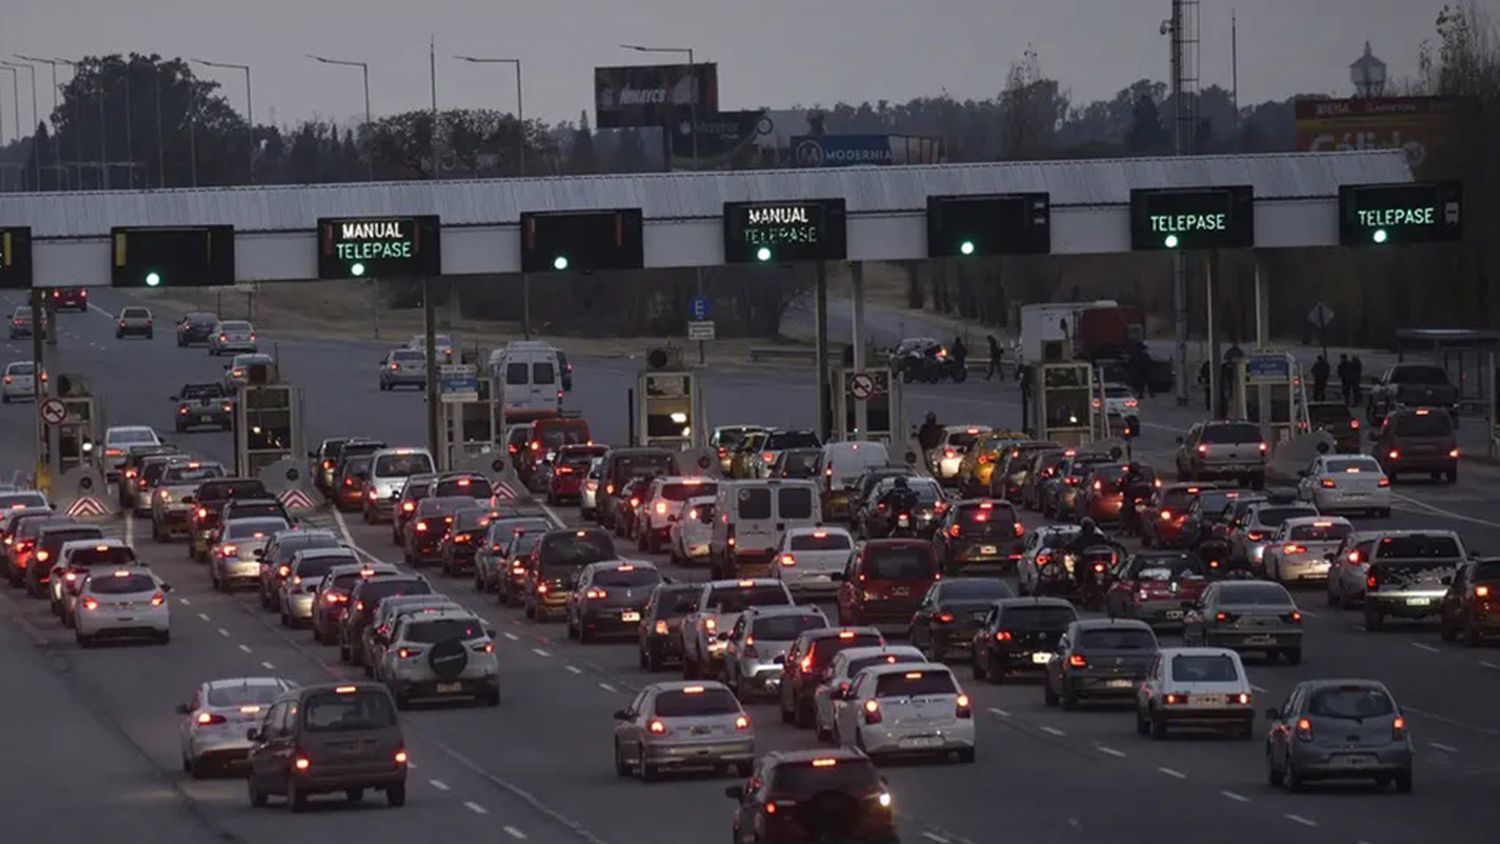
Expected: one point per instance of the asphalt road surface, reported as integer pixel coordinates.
(97, 746)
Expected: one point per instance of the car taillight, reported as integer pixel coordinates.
(955, 530)
(541, 588)
(788, 561)
(1078, 661)
(1203, 450)
(657, 727)
(661, 508)
(1384, 482)
(1294, 549)
(741, 722)
(1295, 617)
(1173, 699)
(1328, 483)
(395, 367)
(768, 456)
(1265, 447)
(205, 719)
(90, 604)
(228, 550)
(332, 598)
(595, 594)
(1003, 636)
(42, 556)
(1242, 699)
(1453, 454)
(872, 712)
(1481, 591)
(1398, 728)
(158, 599)
(1371, 581)
(1255, 535)
(1304, 729)
(202, 512)
(422, 526)
(660, 627)
(807, 664)
(1019, 530)
(1226, 617)
(223, 337)
(302, 763)
(407, 507)
(964, 708)
(400, 757)
(1394, 454)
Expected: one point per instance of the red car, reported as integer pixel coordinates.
(546, 438)
(1104, 492)
(1156, 587)
(568, 470)
(885, 582)
(1164, 515)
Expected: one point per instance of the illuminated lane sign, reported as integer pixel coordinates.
(172, 256)
(1192, 218)
(1004, 224)
(379, 247)
(582, 241)
(15, 258)
(1422, 212)
(783, 231)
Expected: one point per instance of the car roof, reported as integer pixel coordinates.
(797, 757)
(1112, 624)
(1296, 521)
(679, 685)
(1033, 601)
(1184, 650)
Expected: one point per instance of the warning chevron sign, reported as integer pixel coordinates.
(87, 507)
(503, 491)
(296, 499)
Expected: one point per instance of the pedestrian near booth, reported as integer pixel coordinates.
(1356, 374)
(1346, 381)
(1320, 378)
(997, 356)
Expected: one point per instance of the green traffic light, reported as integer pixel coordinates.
(357, 269)
(967, 247)
(763, 253)
(1171, 241)
(1381, 236)
(560, 262)
(153, 279)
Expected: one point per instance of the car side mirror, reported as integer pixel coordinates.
(183, 709)
(734, 792)
(622, 715)
(836, 576)
(1448, 581)
(1273, 714)
(723, 636)
(188, 499)
(166, 587)
(253, 734)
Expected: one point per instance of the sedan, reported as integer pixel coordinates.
(951, 611)
(214, 722)
(1247, 616)
(1346, 483)
(1300, 549)
(233, 558)
(237, 373)
(231, 336)
(683, 725)
(134, 320)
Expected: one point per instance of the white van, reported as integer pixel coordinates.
(389, 469)
(527, 381)
(749, 519)
(840, 466)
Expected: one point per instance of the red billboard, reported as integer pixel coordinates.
(1421, 126)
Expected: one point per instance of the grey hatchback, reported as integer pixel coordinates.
(1338, 729)
(327, 738)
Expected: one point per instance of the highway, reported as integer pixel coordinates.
(538, 767)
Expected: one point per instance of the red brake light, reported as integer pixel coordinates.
(422, 526)
(595, 594)
(90, 604)
(1395, 454)
(872, 712)
(741, 723)
(657, 727)
(1003, 636)
(1304, 729)
(788, 560)
(206, 718)
(1019, 530)
(303, 763)
(964, 707)
(1481, 591)
(945, 618)
(1294, 549)
(955, 531)
(1078, 661)
(1203, 449)
(1398, 728)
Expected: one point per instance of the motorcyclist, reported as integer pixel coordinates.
(1089, 535)
(931, 433)
(900, 498)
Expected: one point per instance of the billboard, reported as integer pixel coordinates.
(856, 150)
(1421, 126)
(722, 138)
(653, 94)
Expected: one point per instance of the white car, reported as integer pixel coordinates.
(1300, 547)
(906, 708)
(683, 725)
(1044, 541)
(1204, 688)
(442, 654)
(442, 344)
(124, 603)
(1119, 401)
(214, 722)
(808, 557)
(687, 541)
(233, 560)
(20, 381)
(232, 336)
(237, 373)
(956, 441)
(663, 506)
(845, 667)
(1348, 482)
(118, 442)
(719, 605)
(75, 560)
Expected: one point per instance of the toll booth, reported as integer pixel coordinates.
(669, 409)
(1268, 391)
(267, 425)
(880, 391)
(467, 428)
(78, 433)
(1063, 410)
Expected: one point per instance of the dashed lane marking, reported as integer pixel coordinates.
(245, 648)
(933, 836)
(1173, 772)
(203, 616)
(185, 602)
(1053, 731)
(1490, 665)
(223, 632)
(268, 666)
(540, 652)
(1257, 689)
(1446, 748)
(1299, 819)
(439, 785)
(573, 669)
(1423, 646)
(514, 833)
(1110, 751)
(1434, 510)
(1238, 798)
(608, 688)
(513, 637)
(476, 808)
(1000, 712)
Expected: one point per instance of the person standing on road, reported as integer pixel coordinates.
(1208, 396)
(960, 352)
(997, 356)
(1356, 374)
(1346, 386)
(931, 433)
(1320, 378)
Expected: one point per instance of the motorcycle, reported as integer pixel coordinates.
(901, 526)
(1092, 573)
(1054, 574)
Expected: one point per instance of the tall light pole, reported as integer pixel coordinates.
(36, 154)
(249, 104)
(364, 68)
(520, 113)
(52, 116)
(15, 88)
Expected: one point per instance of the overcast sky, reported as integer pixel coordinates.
(770, 52)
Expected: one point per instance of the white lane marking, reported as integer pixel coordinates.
(1053, 731)
(338, 518)
(999, 712)
(513, 637)
(1491, 665)
(130, 529)
(1423, 646)
(223, 632)
(268, 666)
(185, 602)
(540, 652)
(476, 808)
(1433, 510)
(552, 514)
(933, 836)
(245, 648)
(514, 833)
(1174, 773)
(203, 615)
(573, 669)
(1446, 748)
(1110, 751)
(1256, 688)
(439, 785)
(1299, 819)
(608, 688)
(1238, 798)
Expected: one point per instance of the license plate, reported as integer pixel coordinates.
(449, 688)
(1209, 701)
(205, 418)
(922, 741)
(125, 618)
(1418, 602)
(1119, 684)
(988, 549)
(630, 616)
(1174, 614)
(1041, 659)
(900, 590)
(1354, 760)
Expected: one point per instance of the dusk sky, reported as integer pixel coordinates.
(775, 53)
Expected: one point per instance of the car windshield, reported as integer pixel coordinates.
(1118, 639)
(785, 628)
(243, 694)
(1419, 375)
(1423, 425)
(1204, 668)
(695, 701)
(253, 528)
(1354, 703)
(901, 562)
(627, 576)
(974, 589)
(576, 548)
(850, 776)
(684, 491)
(1255, 594)
(909, 683)
(334, 712)
(1321, 531)
(820, 541)
(102, 555)
(1353, 465)
(1038, 618)
(402, 465)
(782, 440)
(443, 629)
(1233, 433)
(121, 584)
(557, 435)
(188, 473)
(739, 598)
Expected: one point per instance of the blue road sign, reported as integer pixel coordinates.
(700, 308)
(458, 383)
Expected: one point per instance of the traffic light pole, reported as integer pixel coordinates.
(43, 480)
(821, 353)
(429, 328)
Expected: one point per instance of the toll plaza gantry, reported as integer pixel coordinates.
(619, 224)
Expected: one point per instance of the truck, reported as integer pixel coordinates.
(1411, 385)
(1112, 331)
(1052, 322)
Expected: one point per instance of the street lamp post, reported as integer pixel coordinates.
(364, 68)
(36, 154)
(249, 104)
(53, 116)
(520, 113)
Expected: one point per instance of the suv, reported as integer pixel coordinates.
(364, 599)
(885, 581)
(1409, 573)
(328, 738)
(809, 662)
(442, 654)
(1019, 635)
(1223, 450)
(1099, 658)
(207, 403)
(389, 469)
(49, 542)
(621, 465)
(1417, 440)
(135, 320)
(1411, 384)
(828, 795)
(660, 633)
(554, 568)
(1472, 605)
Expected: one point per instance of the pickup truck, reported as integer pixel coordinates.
(202, 405)
(1409, 573)
(1411, 385)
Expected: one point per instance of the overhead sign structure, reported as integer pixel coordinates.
(172, 256)
(1192, 218)
(581, 241)
(1421, 212)
(784, 230)
(998, 224)
(15, 258)
(379, 247)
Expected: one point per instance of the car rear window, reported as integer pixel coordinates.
(1166, 567)
(187, 474)
(798, 464)
(138, 435)
(515, 373)
(857, 776)
(754, 502)
(627, 576)
(824, 649)
(1038, 618)
(469, 487)
(1176, 499)
(903, 562)
(1350, 702)
(1423, 425)
(1416, 547)
(695, 701)
(1235, 433)
(1353, 465)
(1321, 531)
(234, 326)
(132, 313)
(1118, 640)
(908, 683)
(783, 440)
(558, 434)
(1323, 414)
(235, 489)
(418, 490)
(578, 458)
(975, 515)
(963, 439)
(102, 555)
(794, 503)
(576, 548)
(333, 712)
(402, 465)
(202, 391)
(785, 628)
(443, 629)
(310, 567)
(1256, 594)
(1274, 516)
(117, 584)
(244, 694)
(254, 528)
(676, 602)
(1204, 668)
(741, 598)
(1419, 375)
(974, 589)
(642, 465)
(471, 520)
(820, 541)
(55, 539)
(684, 491)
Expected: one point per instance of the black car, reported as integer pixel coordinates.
(1019, 636)
(817, 795)
(195, 327)
(950, 613)
(205, 404)
(1099, 659)
(365, 600)
(70, 299)
(660, 639)
(462, 542)
(429, 525)
(979, 535)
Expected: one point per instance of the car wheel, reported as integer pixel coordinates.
(622, 768)
(257, 797)
(1373, 619)
(492, 697)
(1274, 776)
(1403, 781)
(1069, 699)
(802, 715)
(1451, 476)
(296, 800)
(977, 666)
(649, 772)
(395, 796)
(653, 659)
(1471, 635)
(1333, 600)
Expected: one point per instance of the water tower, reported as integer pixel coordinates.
(1368, 75)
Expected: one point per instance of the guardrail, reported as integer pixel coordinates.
(760, 354)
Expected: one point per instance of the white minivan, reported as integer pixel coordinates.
(389, 469)
(527, 380)
(840, 465)
(750, 518)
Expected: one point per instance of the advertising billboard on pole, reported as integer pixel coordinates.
(653, 94)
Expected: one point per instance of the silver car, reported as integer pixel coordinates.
(1300, 549)
(1247, 615)
(237, 373)
(232, 560)
(845, 667)
(442, 655)
(1252, 533)
(20, 381)
(588, 493)
(755, 648)
(1338, 729)
(134, 320)
(694, 724)
(214, 722)
(403, 368)
(231, 336)
(299, 589)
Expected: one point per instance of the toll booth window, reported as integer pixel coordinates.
(1067, 408)
(672, 423)
(794, 503)
(515, 373)
(269, 431)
